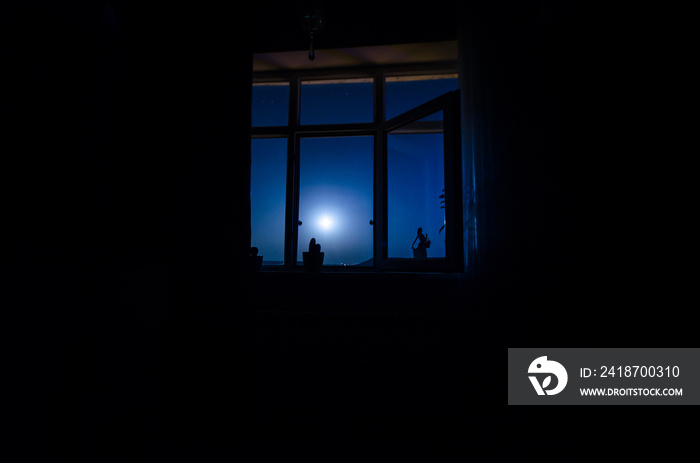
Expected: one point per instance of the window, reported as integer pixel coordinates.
(270, 104)
(336, 184)
(268, 169)
(415, 186)
(365, 162)
(339, 101)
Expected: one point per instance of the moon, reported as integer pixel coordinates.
(326, 222)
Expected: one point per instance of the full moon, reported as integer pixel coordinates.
(325, 222)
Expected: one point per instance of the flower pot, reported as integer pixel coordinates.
(420, 253)
(313, 261)
(255, 263)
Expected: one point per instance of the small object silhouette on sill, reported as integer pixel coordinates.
(420, 251)
(313, 258)
(254, 260)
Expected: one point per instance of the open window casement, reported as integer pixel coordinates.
(420, 154)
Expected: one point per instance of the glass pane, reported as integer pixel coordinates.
(415, 182)
(337, 102)
(404, 93)
(336, 198)
(268, 184)
(270, 105)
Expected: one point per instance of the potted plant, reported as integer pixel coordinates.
(313, 258)
(421, 251)
(254, 260)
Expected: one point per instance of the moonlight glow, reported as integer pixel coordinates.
(326, 222)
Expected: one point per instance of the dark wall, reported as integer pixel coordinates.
(573, 175)
(518, 80)
(125, 185)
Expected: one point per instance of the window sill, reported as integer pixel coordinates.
(368, 271)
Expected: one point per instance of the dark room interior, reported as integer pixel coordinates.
(135, 329)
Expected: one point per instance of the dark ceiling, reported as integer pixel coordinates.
(279, 27)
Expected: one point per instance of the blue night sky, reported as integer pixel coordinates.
(336, 174)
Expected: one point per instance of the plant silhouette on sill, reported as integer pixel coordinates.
(313, 258)
(254, 260)
(421, 251)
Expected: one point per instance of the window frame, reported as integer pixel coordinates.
(379, 128)
(448, 103)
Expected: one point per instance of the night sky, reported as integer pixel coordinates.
(336, 174)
